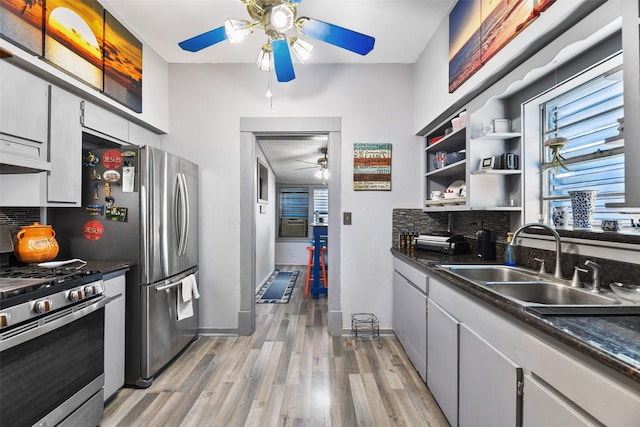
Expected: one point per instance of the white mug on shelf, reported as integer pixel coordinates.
(435, 195)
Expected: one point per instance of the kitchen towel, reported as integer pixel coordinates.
(187, 292)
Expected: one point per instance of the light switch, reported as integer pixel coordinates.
(346, 218)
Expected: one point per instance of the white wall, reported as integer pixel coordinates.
(292, 253)
(375, 103)
(265, 228)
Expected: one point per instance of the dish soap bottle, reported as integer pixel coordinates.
(509, 258)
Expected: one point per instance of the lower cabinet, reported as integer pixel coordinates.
(490, 384)
(486, 369)
(543, 407)
(410, 321)
(114, 324)
(442, 362)
(410, 289)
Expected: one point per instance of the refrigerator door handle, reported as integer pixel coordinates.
(186, 214)
(181, 213)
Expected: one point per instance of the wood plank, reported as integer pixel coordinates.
(289, 373)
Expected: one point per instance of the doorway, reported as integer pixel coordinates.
(250, 130)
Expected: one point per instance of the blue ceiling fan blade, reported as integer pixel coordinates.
(282, 60)
(207, 39)
(337, 36)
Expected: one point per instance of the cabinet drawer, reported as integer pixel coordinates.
(415, 276)
(603, 399)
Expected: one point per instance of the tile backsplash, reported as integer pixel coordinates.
(15, 218)
(468, 222)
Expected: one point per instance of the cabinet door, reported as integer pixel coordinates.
(543, 408)
(141, 136)
(65, 176)
(489, 384)
(24, 110)
(114, 330)
(410, 321)
(105, 122)
(442, 360)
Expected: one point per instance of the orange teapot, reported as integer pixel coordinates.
(36, 243)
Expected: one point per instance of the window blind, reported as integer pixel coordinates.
(321, 203)
(294, 203)
(590, 117)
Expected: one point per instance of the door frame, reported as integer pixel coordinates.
(249, 128)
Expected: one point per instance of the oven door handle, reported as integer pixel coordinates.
(41, 329)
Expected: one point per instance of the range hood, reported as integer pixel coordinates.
(17, 156)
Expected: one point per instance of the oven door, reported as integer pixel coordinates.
(52, 369)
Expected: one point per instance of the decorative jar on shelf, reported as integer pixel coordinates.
(583, 204)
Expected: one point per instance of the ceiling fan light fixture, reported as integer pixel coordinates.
(301, 48)
(318, 174)
(281, 18)
(325, 174)
(237, 30)
(265, 57)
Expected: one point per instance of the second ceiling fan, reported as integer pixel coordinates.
(276, 17)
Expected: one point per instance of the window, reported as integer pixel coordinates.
(586, 110)
(294, 212)
(321, 204)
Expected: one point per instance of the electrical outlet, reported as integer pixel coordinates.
(346, 218)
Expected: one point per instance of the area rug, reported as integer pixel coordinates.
(277, 290)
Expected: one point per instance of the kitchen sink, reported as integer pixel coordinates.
(540, 293)
(549, 293)
(491, 273)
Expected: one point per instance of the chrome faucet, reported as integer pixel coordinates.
(557, 273)
(596, 274)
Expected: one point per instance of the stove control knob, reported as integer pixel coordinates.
(75, 295)
(89, 290)
(43, 306)
(5, 320)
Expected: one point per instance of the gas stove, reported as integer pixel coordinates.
(30, 291)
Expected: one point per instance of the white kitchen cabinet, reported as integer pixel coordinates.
(442, 361)
(24, 118)
(64, 184)
(410, 313)
(114, 330)
(543, 407)
(591, 394)
(104, 122)
(490, 384)
(477, 355)
(141, 136)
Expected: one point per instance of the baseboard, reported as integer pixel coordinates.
(217, 332)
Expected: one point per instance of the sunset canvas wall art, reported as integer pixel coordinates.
(478, 29)
(73, 38)
(21, 22)
(122, 64)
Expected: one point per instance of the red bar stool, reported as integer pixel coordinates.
(323, 270)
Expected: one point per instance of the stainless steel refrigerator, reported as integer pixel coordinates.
(140, 204)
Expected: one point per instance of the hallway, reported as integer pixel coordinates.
(290, 372)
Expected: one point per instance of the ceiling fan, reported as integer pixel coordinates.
(276, 17)
(322, 163)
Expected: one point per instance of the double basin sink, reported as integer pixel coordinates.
(540, 293)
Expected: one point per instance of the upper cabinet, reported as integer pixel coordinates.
(64, 184)
(476, 164)
(104, 121)
(24, 118)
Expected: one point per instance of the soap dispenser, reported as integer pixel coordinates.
(509, 257)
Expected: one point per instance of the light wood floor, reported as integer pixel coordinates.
(290, 372)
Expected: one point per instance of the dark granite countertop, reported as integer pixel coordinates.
(613, 340)
(107, 267)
